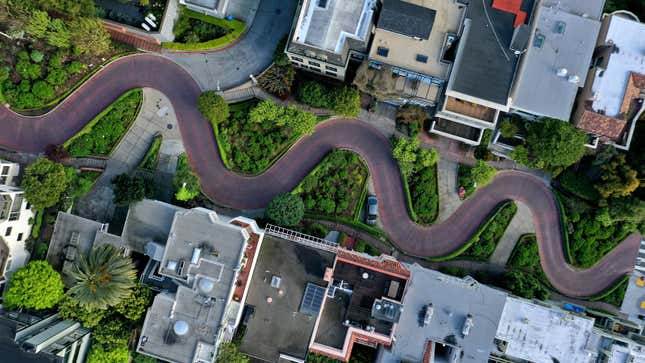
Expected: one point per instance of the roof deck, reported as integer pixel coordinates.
(470, 109)
(327, 24)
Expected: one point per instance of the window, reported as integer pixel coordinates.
(330, 68)
(331, 74)
(538, 42)
(315, 64)
(28, 206)
(298, 59)
(5, 170)
(560, 27)
(3, 180)
(383, 52)
(19, 237)
(8, 232)
(315, 69)
(422, 58)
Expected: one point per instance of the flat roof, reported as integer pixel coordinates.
(561, 41)
(67, 225)
(279, 327)
(485, 64)
(327, 24)
(406, 18)
(541, 334)
(635, 296)
(453, 299)
(628, 38)
(148, 221)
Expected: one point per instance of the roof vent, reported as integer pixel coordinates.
(180, 327)
(562, 72)
(205, 285)
(573, 79)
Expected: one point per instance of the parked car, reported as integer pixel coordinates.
(372, 209)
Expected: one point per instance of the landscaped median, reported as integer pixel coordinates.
(105, 131)
(196, 31)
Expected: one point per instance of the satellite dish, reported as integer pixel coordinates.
(180, 327)
(205, 285)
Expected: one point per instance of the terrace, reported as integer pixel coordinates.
(470, 109)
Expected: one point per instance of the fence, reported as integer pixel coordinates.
(301, 238)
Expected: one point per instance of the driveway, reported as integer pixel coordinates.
(33, 134)
(231, 67)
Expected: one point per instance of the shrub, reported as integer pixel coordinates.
(508, 129)
(525, 285)
(75, 67)
(34, 286)
(43, 90)
(483, 243)
(36, 56)
(286, 209)
(128, 190)
(56, 60)
(213, 107)
(44, 183)
(185, 182)
(28, 70)
(57, 77)
(345, 101)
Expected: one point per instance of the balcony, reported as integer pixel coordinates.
(470, 109)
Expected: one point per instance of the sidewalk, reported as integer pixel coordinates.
(522, 223)
(156, 116)
(448, 198)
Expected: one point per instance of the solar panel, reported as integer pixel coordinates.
(312, 300)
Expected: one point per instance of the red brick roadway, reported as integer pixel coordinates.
(33, 134)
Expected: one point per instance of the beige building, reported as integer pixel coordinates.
(413, 39)
(327, 34)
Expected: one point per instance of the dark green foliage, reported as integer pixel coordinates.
(344, 101)
(188, 29)
(286, 210)
(473, 177)
(453, 271)
(334, 187)
(615, 294)
(185, 182)
(485, 241)
(526, 253)
(42, 90)
(213, 107)
(151, 158)
(134, 307)
(578, 184)
(525, 284)
(89, 318)
(481, 151)
(75, 67)
(111, 333)
(44, 183)
(128, 190)
(142, 358)
(57, 77)
(28, 70)
(280, 58)
(365, 247)
(36, 56)
(73, 8)
(101, 135)
(316, 230)
(425, 194)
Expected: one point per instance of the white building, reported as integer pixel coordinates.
(15, 215)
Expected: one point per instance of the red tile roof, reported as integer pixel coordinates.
(513, 7)
(602, 125)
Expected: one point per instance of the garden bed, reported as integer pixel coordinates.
(335, 186)
(40, 75)
(196, 31)
(104, 132)
(149, 162)
(465, 180)
(424, 194)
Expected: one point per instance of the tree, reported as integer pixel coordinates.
(89, 36)
(103, 278)
(59, 34)
(405, 153)
(627, 210)
(286, 209)
(617, 179)
(72, 8)
(136, 304)
(482, 173)
(427, 157)
(38, 24)
(265, 110)
(34, 286)
(346, 101)
(213, 107)
(551, 144)
(128, 190)
(508, 129)
(112, 333)
(100, 354)
(42, 90)
(185, 181)
(44, 183)
(525, 285)
(70, 310)
(229, 353)
(313, 94)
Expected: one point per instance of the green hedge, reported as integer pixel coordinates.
(613, 295)
(408, 199)
(563, 226)
(473, 239)
(151, 158)
(361, 202)
(38, 221)
(238, 27)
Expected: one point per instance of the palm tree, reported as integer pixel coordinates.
(103, 278)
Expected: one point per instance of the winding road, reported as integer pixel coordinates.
(34, 134)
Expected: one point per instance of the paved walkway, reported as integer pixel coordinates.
(522, 223)
(228, 188)
(449, 200)
(156, 116)
(230, 67)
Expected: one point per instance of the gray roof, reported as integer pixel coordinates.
(634, 297)
(568, 43)
(452, 299)
(148, 220)
(485, 64)
(67, 225)
(406, 18)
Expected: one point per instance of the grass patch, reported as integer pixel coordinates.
(335, 186)
(482, 244)
(151, 158)
(104, 132)
(196, 31)
(365, 247)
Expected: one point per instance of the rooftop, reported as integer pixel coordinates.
(406, 18)
(485, 63)
(628, 40)
(439, 18)
(148, 220)
(327, 24)
(634, 301)
(556, 60)
(452, 299)
(267, 335)
(541, 334)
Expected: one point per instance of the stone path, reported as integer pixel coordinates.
(522, 223)
(157, 116)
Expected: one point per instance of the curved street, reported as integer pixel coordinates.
(33, 134)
